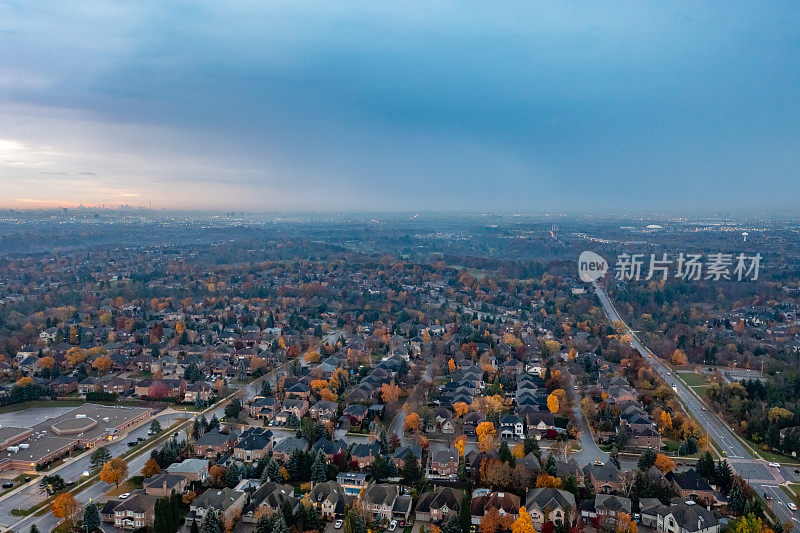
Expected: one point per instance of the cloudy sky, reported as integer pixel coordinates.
(336, 106)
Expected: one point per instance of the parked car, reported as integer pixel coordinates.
(392, 525)
(124, 495)
(338, 524)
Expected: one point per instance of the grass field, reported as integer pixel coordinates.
(692, 379)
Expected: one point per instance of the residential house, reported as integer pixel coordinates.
(439, 504)
(506, 503)
(686, 517)
(604, 479)
(191, 469)
(443, 463)
(550, 505)
(691, 486)
(213, 444)
(364, 454)
(329, 499)
(284, 448)
(379, 499)
(218, 499)
(136, 511)
(163, 484)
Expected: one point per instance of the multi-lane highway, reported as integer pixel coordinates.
(763, 478)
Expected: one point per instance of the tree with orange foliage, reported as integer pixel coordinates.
(679, 357)
(47, 362)
(151, 468)
(460, 443)
(486, 435)
(625, 524)
(25, 382)
(451, 365)
(461, 409)
(312, 357)
(102, 363)
(65, 507)
(490, 521)
(664, 463)
(423, 442)
(390, 393)
(328, 395)
(318, 384)
(553, 403)
(115, 471)
(413, 423)
(75, 355)
(548, 481)
(217, 473)
(523, 524)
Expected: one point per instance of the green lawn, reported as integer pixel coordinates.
(692, 379)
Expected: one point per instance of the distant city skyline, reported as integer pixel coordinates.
(626, 107)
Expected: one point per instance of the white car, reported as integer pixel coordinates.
(85, 473)
(392, 525)
(338, 524)
(775, 465)
(124, 495)
(791, 506)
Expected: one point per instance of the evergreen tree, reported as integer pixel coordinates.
(724, 476)
(506, 456)
(384, 440)
(274, 472)
(264, 525)
(34, 529)
(155, 427)
(194, 528)
(279, 526)
(266, 388)
(319, 470)
(550, 465)
(646, 460)
(411, 470)
(212, 524)
(232, 476)
(162, 521)
(464, 514)
(91, 518)
(706, 467)
(452, 525)
(99, 457)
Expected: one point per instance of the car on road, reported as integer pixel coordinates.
(85, 473)
(791, 506)
(338, 524)
(703, 408)
(392, 525)
(132, 443)
(598, 462)
(140, 439)
(767, 497)
(124, 495)
(8, 485)
(775, 465)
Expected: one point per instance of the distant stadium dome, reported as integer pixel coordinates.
(654, 226)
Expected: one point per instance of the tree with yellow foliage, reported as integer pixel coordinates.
(328, 395)
(460, 408)
(523, 523)
(47, 362)
(553, 404)
(25, 382)
(665, 421)
(486, 435)
(460, 443)
(451, 365)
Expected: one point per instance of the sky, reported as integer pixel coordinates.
(504, 106)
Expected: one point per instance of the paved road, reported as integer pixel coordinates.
(763, 478)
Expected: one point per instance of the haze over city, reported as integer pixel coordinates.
(391, 106)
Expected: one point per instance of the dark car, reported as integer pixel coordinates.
(7, 485)
(132, 444)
